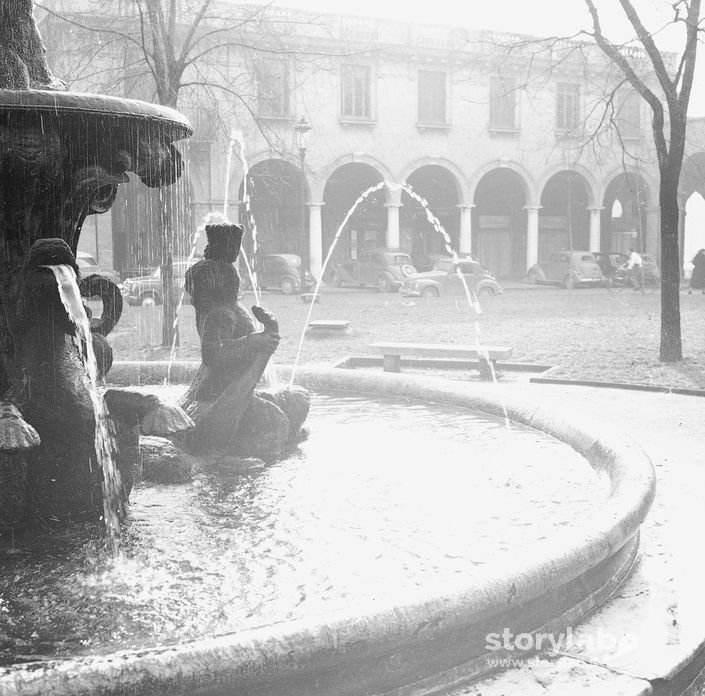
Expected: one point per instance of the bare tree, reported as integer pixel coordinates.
(669, 123)
(200, 56)
(663, 80)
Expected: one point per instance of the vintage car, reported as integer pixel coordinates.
(384, 269)
(569, 269)
(146, 291)
(284, 272)
(450, 277)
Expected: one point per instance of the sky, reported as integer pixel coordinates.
(537, 17)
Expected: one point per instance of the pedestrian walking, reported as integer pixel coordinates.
(697, 278)
(634, 271)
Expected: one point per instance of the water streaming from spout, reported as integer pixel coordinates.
(105, 447)
(362, 197)
(473, 301)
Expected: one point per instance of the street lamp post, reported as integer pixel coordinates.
(302, 129)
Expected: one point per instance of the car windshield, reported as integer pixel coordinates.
(290, 259)
(399, 259)
(443, 265)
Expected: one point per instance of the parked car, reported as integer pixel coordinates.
(383, 268)
(443, 279)
(87, 265)
(282, 272)
(145, 291)
(137, 271)
(569, 269)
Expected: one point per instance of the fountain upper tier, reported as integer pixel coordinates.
(63, 156)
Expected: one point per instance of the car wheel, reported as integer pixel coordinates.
(485, 291)
(384, 284)
(532, 277)
(287, 285)
(569, 282)
(335, 279)
(429, 292)
(148, 301)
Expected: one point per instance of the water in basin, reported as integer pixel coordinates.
(384, 498)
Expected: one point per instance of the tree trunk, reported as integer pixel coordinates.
(671, 348)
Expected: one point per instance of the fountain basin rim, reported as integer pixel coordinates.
(553, 589)
(74, 103)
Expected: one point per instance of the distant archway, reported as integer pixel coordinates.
(623, 226)
(564, 220)
(368, 224)
(499, 223)
(418, 237)
(274, 189)
(694, 232)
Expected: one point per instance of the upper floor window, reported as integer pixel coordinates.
(356, 92)
(629, 116)
(503, 103)
(432, 97)
(567, 106)
(273, 89)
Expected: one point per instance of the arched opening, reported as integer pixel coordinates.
(564, 220)
(368, 223)
(694, 232)
(623, 223)
(692, 191)
(418, 236)
(499, 223)
(275, 218)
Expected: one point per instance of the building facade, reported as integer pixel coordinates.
(424, 138)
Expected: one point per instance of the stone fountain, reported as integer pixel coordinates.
(57, 167)
(62, 157)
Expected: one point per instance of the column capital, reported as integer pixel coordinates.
(595, 208)
(392, 205)
(654, 209)
(533, 208)
(314, 204)
(466, 206)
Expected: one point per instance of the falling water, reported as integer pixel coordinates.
(470, 294)
(237, 137)
(180, 304)
(317, 288)
(105, 447)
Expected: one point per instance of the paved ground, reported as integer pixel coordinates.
(587, 334)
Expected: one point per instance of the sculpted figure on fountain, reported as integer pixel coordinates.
(232, 413)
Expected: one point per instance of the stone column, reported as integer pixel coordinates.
(315, 240)
(392, 236)
(595, 232)
(465, 241)
(392, 205)
(532, 235)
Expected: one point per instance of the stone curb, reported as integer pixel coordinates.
(377, 649)
(681, 391)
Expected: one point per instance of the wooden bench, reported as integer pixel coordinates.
(487, 356)
(329, 325)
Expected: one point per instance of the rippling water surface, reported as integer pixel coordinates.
(384, 498)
